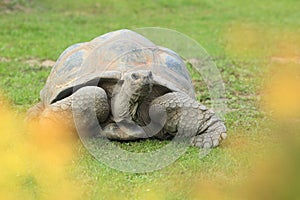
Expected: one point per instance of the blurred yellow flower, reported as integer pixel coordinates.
(38, 153)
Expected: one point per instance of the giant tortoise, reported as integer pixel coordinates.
(135, 89)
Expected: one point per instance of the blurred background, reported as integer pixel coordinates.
(256, 47)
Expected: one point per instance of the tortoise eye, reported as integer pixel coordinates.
(150, 75)
(134, 76)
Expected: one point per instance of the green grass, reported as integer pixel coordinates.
(40, 30)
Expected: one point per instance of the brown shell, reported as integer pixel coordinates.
(108, 57)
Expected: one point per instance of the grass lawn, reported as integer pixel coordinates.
(248, 40)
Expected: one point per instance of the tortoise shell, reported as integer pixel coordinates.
(108, 57)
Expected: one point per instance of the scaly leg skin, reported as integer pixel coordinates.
(191, 118)
(84, 105)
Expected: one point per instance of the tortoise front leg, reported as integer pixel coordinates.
(84, 104)
(189, 117)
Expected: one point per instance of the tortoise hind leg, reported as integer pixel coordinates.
(85, 107)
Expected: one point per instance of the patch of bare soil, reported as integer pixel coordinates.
(9, 6)
(3, 59)
(32, 62)
(48, 63)
(42, 63)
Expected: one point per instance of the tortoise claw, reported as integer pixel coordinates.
(208, 140)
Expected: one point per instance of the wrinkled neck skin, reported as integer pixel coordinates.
(127, 97)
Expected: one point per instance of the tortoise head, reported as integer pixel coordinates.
(132, 89)
(137, 84)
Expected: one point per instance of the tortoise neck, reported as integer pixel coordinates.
(126, 100)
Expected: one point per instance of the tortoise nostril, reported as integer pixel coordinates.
(134, 76)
